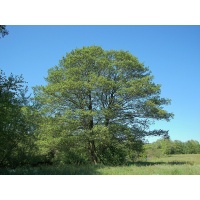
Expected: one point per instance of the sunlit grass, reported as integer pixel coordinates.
(169, 165)
(160, 169)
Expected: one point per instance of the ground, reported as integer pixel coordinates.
(188, 164)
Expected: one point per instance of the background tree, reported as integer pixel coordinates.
(179, 147)
(3, 31)
(160, 148)
(167, 147)
(106, 99)
(15, 131)
(192, 147)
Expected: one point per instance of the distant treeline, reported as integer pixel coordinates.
(166, 147)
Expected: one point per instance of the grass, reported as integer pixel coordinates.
(188, 164)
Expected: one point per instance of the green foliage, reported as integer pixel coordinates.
(16, 133)
(192, 147)
(168, 147)
(3, 31)
(96, 107)
(179, 147)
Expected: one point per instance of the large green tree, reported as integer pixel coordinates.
(106, 99)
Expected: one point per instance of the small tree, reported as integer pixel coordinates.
(106, 98)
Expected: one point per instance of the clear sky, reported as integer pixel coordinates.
(171, 52)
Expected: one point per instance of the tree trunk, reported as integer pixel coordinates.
(110, 103)
(92, 147)
(107, 121)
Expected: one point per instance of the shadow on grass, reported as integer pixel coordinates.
(53, 170)
(149, 163)
(76, 170)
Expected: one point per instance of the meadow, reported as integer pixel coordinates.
(183, 164)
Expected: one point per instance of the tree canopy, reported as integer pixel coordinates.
(100, 103)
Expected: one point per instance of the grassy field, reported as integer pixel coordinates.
(188, 164)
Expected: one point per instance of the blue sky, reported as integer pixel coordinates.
(171, 52)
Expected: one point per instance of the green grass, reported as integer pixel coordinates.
(188, 164)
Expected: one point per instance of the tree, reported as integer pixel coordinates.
(179, 147)
(161, 147)
(192, 147)
(14, 129)
(3, 31)
(105, 98)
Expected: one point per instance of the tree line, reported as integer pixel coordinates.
(168, 147)
(96, 107)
